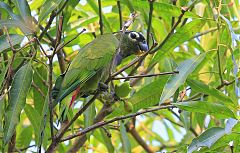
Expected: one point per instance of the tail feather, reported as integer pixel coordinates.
(74, 96)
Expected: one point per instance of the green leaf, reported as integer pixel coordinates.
(43, 122)
(207, 138)
(2, 102)
(215, 109)
(24, 10)
(164, 8)
(125, 140)
(89, 116)
(175, 81)
(183, 34)
(123, 89)
(47, 8)
(16, 24)
(107, 141)
(201, 87)
(7, 8)
(34, 118)
(146, 97)
(39, 76)
(17, 99)
(15, 39)
(24, 138)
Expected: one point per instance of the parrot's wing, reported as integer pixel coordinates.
(91, 59)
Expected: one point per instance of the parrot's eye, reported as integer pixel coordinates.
(134, 35)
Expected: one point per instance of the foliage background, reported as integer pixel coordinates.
(197, 38)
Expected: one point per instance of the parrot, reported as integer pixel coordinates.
(91, 66)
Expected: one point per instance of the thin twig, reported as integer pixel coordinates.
(205, 32)
(120, 13)
(100, 16)
(49, 23)
(102, 123)
(150, 19)
(50, 72)
(143, 76)
(61, 46)
(173, 18)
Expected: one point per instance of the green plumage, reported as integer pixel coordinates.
(92, 64)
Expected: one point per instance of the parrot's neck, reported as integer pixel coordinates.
(118, 59)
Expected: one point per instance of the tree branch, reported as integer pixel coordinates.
(143, 76)
(100, 16)
(103, 123)
(120, 13)
(150, 19)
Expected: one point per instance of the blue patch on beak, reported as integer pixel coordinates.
(143, 46)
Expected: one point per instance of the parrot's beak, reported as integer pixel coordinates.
(143, 48)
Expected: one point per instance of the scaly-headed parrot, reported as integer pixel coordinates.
(91, 65)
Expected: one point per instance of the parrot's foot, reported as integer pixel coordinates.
(102, 87)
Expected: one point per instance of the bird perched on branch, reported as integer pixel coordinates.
(90, 68)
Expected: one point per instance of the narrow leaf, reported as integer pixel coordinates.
(89, 116)
(15, 39)
(107, 141)
(183, 34)
(125, 140)
(207, 138)
(206, 108)
(24, 10)
(201, 87)
(175, 81)
(34, 118)
(7, 8)
(16, 24)
(47, 8)
(17, 99)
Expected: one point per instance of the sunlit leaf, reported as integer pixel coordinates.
(175, 81)
(207, 138)
(47, 8)
(125, 140)
(207, 108)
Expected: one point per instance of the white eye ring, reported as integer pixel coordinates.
(133, 35)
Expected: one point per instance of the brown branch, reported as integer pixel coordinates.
(49, 23)
(103, 123)
(50, 72)
(12, 143)
(60, 55)
(132, 130)
(143, 76)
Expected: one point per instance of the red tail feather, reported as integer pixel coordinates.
(74, 96)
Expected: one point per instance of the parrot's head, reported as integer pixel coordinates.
(133, 43)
